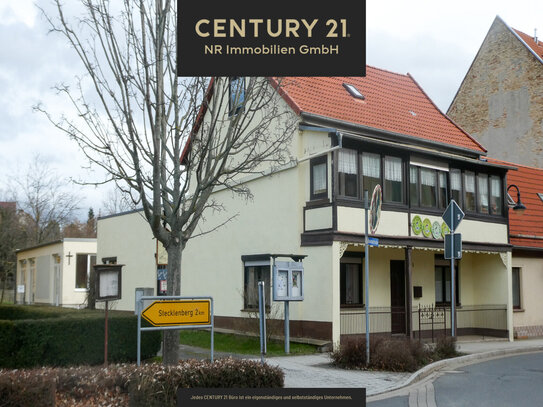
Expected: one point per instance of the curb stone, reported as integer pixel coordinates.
(457, 362)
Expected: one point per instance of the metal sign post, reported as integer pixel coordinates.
(174, 312)
(367, 272)
(452, 216)
(262, 312)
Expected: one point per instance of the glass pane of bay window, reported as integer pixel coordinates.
(443, 199)
(482, 188)
(456, 186)
(348, 173)
(393, 189)
(428, 187)
(469, 191)
(496, 205)
(319, 178)
(371, 171)
(413, 186)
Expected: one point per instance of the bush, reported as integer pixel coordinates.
(27, 390)
(397, 355)
(70, 340)
(446, 347)
(352, 355)
(147, 385)
(394, 355)
(156, 385)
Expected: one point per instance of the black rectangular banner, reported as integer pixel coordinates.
(280, 38)
(276, 397)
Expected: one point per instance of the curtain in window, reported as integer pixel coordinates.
(483, 190)
(456, 181)
(469, 183)
(371, 165)
(428, 177)
(319, 178)
(413, 173)
(495, 187)
(442, 180)
(347, 161)
(393, 169)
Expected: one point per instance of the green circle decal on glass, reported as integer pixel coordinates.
(427, 228)
(416, 225)
(436, 230)
(444, 230)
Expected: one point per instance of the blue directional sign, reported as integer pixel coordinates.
(453, 215)
(373, 241)
(454, 250)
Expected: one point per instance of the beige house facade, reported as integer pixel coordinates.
(385, 132)
(352, 134)
(55, 273)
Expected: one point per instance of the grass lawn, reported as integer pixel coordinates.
(246, 345)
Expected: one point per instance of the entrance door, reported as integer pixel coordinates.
(397, 296)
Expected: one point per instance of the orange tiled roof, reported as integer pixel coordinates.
(537, 47)
(393, 102)
(530, 224)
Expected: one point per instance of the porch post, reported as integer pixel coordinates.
(409, 304)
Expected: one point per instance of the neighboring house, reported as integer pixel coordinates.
(355, 133)
(56, 273)
(526, 236)
(500, 100)
(126, 238)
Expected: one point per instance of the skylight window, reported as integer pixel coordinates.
(540, 195)
(354, 92)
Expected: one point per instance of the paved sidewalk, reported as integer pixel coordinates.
(317, 371)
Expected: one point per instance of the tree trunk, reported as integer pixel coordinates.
(91, 295)
(170, 354)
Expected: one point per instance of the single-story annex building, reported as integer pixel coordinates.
(55, 273)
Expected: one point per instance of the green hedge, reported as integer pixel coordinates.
(65, 341)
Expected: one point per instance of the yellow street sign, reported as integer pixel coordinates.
(178, 312)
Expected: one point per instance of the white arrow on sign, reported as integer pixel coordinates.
(453, 215)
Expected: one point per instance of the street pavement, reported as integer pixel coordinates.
(316, 371)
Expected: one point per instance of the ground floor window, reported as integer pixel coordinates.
(443, 283)
(351, 282)
(255, 272)
(516, 288)
(84, 262)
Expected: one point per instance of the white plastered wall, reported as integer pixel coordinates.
(128, 237)
(45, 255)
(528, 321)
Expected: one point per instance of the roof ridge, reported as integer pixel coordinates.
(388, 71)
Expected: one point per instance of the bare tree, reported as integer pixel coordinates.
(11, 237)
(167, 142)
(47, 204)
(116, 202)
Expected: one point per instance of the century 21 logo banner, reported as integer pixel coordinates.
(280, 38)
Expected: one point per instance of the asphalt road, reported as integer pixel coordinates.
(510, 381)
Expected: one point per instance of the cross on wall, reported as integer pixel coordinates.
(69, 256)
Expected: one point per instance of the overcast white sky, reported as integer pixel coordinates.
(433, 40)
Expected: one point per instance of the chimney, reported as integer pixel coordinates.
(535, 36)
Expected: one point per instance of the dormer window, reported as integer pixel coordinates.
(353, 91)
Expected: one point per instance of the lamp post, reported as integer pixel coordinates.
(518, 207)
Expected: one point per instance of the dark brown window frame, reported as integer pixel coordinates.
(313, 162)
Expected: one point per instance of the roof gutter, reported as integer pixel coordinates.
(391, 136)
